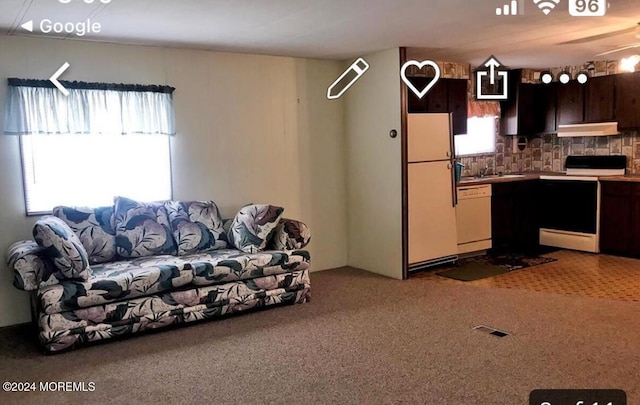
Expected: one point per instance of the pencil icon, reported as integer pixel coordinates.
(347, 79)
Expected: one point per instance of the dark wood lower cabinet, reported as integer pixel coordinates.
(515, 224)
(620, 218)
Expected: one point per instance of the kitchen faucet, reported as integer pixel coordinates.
(484, 170)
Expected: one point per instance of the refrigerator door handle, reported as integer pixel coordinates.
(454, 189)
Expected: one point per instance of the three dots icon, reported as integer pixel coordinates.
(564, 77)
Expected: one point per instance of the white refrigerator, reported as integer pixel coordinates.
(432, 190)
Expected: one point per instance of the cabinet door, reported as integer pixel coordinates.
(628, 100)
(502, 215)
(599, 99)
(415, 104)
(548, 105)
(529, 120)
(616, 218)
(432, 214)
(526, 215)
(570, 103)
(438, 98)
(458, 100)
(633, 225)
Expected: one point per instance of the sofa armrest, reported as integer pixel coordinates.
(31, 268)
(290, 235)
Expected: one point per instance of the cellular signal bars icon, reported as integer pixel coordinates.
(546, 6)
(511, 9)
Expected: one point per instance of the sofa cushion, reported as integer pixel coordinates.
(290, 234)
(94, 227)
(142, 229)
(196, 226)
(270, 289)
(221, 266)
(117, 281)
(253, 225)
(62, 245)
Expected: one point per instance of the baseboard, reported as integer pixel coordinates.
(15, 326)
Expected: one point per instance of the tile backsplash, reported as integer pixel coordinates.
(549, 152)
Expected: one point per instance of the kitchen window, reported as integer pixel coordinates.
(480, 137)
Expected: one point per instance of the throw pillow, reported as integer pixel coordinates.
(290, 235)
(62, 245)
(94, 227)
(253, 225)
(196, 225)
(142, 229)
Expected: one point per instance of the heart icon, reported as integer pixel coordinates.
(420, 65)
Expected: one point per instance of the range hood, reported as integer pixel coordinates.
(596, 129)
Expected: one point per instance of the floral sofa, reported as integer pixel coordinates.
(107, 272)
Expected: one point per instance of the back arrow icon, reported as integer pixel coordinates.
(54, 78)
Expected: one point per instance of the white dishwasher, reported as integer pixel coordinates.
(473, 218)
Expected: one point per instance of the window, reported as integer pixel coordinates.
(97, 142)
(480, 137)
(81, 170)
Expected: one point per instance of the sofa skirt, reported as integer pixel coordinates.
(65, 330)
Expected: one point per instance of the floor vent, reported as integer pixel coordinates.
(491, 331)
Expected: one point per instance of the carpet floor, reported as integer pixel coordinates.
(363, 339)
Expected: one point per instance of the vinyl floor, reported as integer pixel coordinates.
(574, 274)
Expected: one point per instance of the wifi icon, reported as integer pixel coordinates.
(546, 6)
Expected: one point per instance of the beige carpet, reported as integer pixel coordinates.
(363, 339)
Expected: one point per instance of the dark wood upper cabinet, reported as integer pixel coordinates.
(458, 104)
(447, 95)
(570, 103)
(600, 99)
(547, 103)
(627, 98)
(438, 97)
(415, 104)
(523, 113)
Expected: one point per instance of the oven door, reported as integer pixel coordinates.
(569, 205)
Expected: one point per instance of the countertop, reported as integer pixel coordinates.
(472, 181)
(627, 177)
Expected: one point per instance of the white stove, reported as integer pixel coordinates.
(571, 202)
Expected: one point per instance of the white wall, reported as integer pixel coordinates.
(250, 129)
(374, 180)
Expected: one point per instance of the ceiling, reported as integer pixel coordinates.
(450, 30)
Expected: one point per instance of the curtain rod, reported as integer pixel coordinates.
(92, 86)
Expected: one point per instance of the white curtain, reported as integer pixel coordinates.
(33, 110)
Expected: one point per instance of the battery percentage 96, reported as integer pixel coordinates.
(588, 8)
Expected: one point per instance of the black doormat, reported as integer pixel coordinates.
(493, 264)
(472, 270)
(513, 261)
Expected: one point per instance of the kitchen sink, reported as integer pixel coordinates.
(490, 177)
(505, 176)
